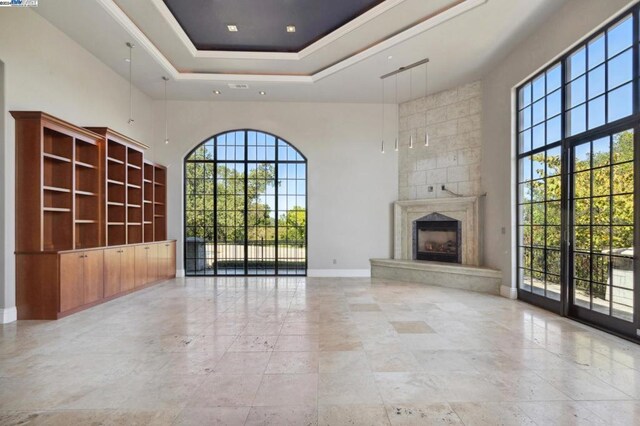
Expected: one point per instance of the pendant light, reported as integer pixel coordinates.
(382, 136)
(426, 107)
(395, 74)
(166, 133)
(397, 111)
(410, 97)
(131, 120)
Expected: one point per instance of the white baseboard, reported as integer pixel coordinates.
(321, 273)
(335, 273)
(509, 292)
(8, 315)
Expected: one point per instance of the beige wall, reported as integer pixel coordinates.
(572, 22)
(45, 70)
(453, 119)
(351, 185)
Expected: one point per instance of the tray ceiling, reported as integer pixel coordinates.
(462, 38)
(262, 25)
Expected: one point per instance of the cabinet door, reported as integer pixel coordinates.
(171, 260)
(140, 260)
(93, 275)
(163, 261)
(112, 272)
(152, 263)
(71, 287)
(127, 269)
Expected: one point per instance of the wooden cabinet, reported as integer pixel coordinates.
(90, 216)
(81, 279)
(71, 275)
(112, 271)
(149, 263)
(140, 257)
(57, 284)
(119, 271)
(127, 269)
(152, 263)
(167, 260)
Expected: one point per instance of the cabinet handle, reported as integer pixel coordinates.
(81, 256)
(146, 248)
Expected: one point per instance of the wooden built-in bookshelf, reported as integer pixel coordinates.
(83, 195)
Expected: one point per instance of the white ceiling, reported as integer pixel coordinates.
(464, 39)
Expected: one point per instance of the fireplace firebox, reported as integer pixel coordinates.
(437, 237)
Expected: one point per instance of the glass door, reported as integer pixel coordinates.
(245, 206)
(602, 233)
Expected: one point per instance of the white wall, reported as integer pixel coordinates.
(351, 185)
(572, 22)
(44, 70)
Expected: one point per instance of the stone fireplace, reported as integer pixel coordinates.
(460, 214)
(446, 231)
(437, 237)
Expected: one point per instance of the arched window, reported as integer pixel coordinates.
(245, 206)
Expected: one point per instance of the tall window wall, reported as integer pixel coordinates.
(245, 206)
(577, 127)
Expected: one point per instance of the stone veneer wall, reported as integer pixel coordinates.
(453, 155)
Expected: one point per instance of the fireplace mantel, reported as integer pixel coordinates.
(464, 209)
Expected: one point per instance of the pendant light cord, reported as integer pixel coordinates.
(166, 115)
(382, 136)
(130, 46)
(426, 105)
(397, 110)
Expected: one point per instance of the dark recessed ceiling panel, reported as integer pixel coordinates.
(262, 23)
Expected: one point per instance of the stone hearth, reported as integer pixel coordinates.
(465, 276)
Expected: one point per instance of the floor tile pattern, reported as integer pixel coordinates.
(312, 351)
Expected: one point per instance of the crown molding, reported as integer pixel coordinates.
(144, 42)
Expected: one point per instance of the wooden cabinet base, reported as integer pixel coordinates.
(56, 284)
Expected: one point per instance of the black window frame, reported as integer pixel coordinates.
(566, 144)
(246, 162)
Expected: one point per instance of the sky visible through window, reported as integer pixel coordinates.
(261, 147)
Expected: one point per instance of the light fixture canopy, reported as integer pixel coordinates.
(232, 28)
(291, 28)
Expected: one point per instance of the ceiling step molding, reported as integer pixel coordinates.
(141, 40)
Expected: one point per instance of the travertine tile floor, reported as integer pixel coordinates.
(296, 351)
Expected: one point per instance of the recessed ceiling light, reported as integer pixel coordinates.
(127, 60)
(390, 57)
(291, 28)
(232, 28)
(216, 92)
(262, 92)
